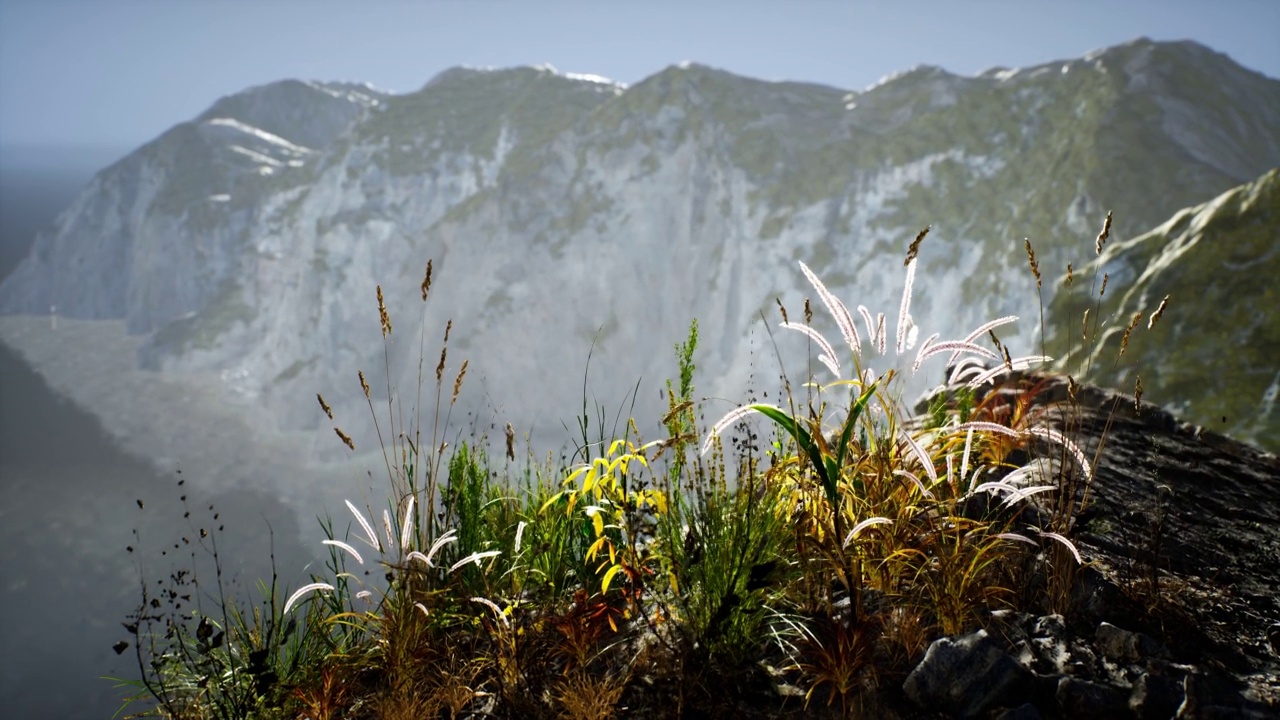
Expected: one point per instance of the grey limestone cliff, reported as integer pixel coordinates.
(562, 209)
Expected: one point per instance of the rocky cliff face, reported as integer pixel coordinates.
(159, 235)
(561, 209)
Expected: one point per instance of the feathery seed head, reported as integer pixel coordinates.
(827, 354)
(303, 591)
(1137, 395)
(915, 246)
(370, 536)
(497, 611)
(983, 328)
(426, 282)
(1009, 364)
(732, 417)
(782, 308)
(457, 384)
(1071, 276)
(1105, 278)
(871, 325)
(364, 385)
(1062, 540)
(340, 544)
(921, 456)
(406, 527)
(386, 527)
(520, 534)
(838, 311)
(808, 312)
(1159, 311)
(1102, 236)
(924, 352)
(345, 438)
(324, 406)
(904, 310)
(448, 327)
(511, 442)
(1031, 256)
(475, 557)
(869, 522)
(440, 542)
(1124, 341)
(444, 351)
(955, 347)
(382, 314)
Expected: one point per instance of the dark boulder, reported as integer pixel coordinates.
(967, 676)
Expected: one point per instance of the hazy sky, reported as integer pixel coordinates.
(118, 73)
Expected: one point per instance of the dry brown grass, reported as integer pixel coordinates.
(583, 695)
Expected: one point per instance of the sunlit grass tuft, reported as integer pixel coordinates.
(829, 552)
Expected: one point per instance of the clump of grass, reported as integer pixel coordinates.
(690, 572)
(201, 652)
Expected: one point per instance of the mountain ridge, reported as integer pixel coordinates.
(1212, 261)
(562, 211)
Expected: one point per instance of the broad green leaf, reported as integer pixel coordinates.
(801, 435)
(852, 420)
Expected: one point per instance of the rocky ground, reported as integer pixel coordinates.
(1177, 613)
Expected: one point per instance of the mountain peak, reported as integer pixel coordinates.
(462, 75)
(918, 73)
(309, 114)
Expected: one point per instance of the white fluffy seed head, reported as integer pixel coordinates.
(732, 417)
(303, 591)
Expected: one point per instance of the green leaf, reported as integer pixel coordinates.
(803, 438)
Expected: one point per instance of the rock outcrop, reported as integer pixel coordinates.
(1177, 610)
(1212, 357)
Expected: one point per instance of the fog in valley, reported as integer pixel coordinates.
(68, 511)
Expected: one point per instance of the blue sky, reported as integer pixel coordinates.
(119, 72)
